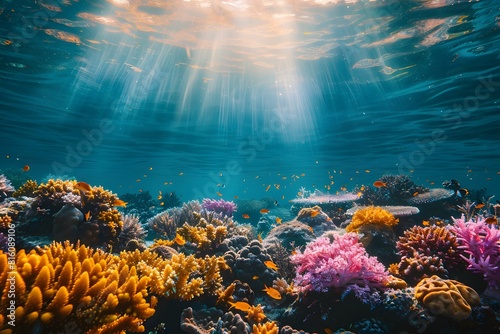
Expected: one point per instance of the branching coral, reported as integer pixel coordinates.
(27, 189)
(446, 297)
(371, 215)
(181, 277)
(481, 242)
(325, 265)
(219, 206)
(64, 288)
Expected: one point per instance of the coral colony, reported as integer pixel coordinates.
(387, 258)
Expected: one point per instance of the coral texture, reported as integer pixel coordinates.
(221, 206)
(27, 189)
(481, 242)
(5, 185)
(62, 288)
(338, 264)
(446, 297)
(371, 215)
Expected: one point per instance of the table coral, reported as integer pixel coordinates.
(371, 215)
(449, 298)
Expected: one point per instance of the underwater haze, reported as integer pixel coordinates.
(251, 98)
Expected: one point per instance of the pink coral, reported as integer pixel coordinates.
(325, 264)
(481, 242)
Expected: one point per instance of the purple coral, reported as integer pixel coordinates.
(481, 242)
(219, 206)
(338, 264)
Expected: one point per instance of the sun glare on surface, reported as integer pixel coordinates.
(236, 62)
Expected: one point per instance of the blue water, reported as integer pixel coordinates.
(231, 98)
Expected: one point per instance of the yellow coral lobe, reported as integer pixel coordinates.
(31, 317)
(26, 270)
(96, 288)
(61, 298)
(66, 275)
(64, 311)
(46, 317)
(80, 288)
(43, 279)
(34, 302)
(371, 215)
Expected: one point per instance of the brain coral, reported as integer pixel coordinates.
(371, 215)
(446, 297)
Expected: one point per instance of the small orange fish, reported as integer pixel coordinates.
(272, 292)
(87, 216)
(26, 168)
(268, 187)
(153, 302)
(278, 220)
(314, 213)
(491, 220)
(246, 216)
(415, 193)
(264, 211)
(255, 277)
(425, 223)
(271, 265)
(235, 196)
(219, 194)
(119, 202)
(479, 205)
(328, 330)
(379, 184)
(179, 239)
(242, 306)
(83, 186)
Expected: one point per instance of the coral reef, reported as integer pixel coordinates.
(325, 264)
(319, 198)
(221, 206)
(396, 189)
(62, 288)
(448, 298)
(481, 242)
(316, 218)
(371, 215)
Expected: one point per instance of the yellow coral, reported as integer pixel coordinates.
(53, 187)
(371, 215)
(27, 189)
(256, 314)
(66, 287)
(445, 297)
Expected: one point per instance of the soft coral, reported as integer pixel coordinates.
(481, 242)
(340, 263)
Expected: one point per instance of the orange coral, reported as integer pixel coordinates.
(27, 189)
(63, 288)
(5, 221)
(56, 187)
(181, 277)
(445, 297)
(265, 328)
(371, 215)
